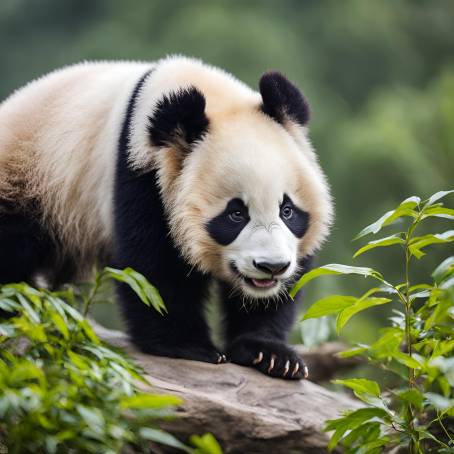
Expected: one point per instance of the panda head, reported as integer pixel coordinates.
(245, 197)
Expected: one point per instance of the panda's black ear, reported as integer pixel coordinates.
(179, 119)
(282, 99)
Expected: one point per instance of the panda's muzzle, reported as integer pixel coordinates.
(260, 283)
(275, 269)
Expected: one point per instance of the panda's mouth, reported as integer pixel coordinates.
(260, 283)
(254, 282)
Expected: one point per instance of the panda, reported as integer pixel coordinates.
(179, 170)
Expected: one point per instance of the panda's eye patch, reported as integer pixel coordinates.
(226, 226)
(296, 220)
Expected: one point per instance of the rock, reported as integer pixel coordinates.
(245, 410)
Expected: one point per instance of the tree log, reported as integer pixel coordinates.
(245, 410)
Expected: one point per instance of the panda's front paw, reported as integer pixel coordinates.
(273, 358)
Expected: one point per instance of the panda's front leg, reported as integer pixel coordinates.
(256, 336)
(142, 242)
(180, 333)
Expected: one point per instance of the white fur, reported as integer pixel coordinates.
(58, 143)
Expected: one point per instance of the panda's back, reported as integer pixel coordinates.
(58, 143)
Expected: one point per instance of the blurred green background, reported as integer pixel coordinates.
(379, 77)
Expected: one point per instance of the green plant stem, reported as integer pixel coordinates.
(414, 440)
(92, 294)
(444, 429)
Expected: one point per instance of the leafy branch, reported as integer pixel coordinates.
(417, 347)
(63, 390)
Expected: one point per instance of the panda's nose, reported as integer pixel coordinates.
(274, 269)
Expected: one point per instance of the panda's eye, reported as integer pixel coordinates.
(236, 216)
(287, 212)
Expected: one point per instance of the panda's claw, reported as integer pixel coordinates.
(306, 372)
(222, 359)
(295, 369)
(258, 359)
(272, 360)
(286, 368)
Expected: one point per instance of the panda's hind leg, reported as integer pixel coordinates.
(25, 247)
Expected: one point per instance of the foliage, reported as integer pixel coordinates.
(417, 346)
(63, 390)
(379, 77)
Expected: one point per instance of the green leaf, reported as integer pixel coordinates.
(406, 360)
(444, 269)
(334, 269)
(360, 305)
(366, 432)
(164, 438)
(420, 242)
(329, 305)
(412, 396)
(360, 385)
(383, 242)
(32, 314)
(371, 447)
(438, 212)
(148, 294)
(437, 196)
(205, 444)
(24, 372)
(354, 351)
(350, 421)
(150, 401)
(92, 417)
(404, 209)
(60, 324)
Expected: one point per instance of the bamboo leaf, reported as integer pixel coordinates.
(444, 269)
(421, 242)
(150, 290)
(60, 324)
(354, 351)
(205, 444)
(438, 212)
(351, 421)
(147, 293)
(406, 360)
(148, 433)
(359, 306)
(361, 386)
(334, 269)
(406, 208)
(437, 196)
(144, 400)
(412, 396)
(383, 242)
(329, 305)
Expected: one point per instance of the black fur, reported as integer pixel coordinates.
(26, 248)
(298, 222)
(281, 99)
(179, 115)
(222, 228)
(142, 242)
